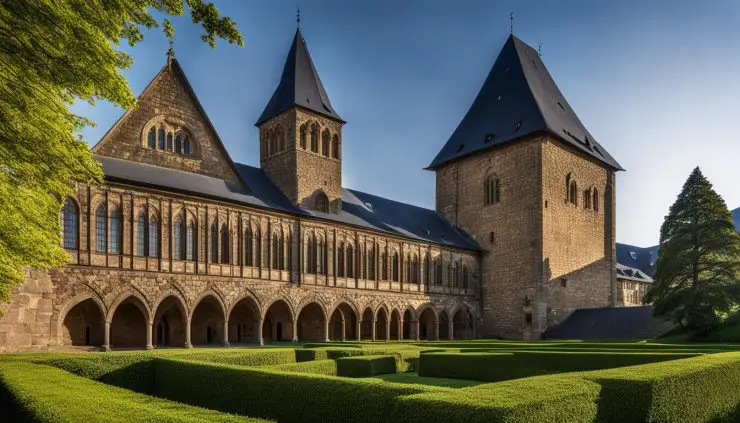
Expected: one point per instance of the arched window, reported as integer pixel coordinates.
(178, 144)
(310, 254)
(141, 235)
(371, 263)
(115, 231)
(438, 271)
(177, 230)
(465, 277)
(249, 246)
(314, 138)
(456, 275)
(325, 143)
(571, 190)
(152, 138)
(415, 270)
(596, 199)
(189, 241)
(395, 264)
(335, 147)
(101, 232)
(277, 250)
(69, 225)
(169, 141)
(492, 190)
(186, 146)
(587, 199)
(281, 139)
(384, 266)
(321, 259)
(153, 237)
(427, 270)
(304, 134)
(225, 244)
(322, 202)
(160, 139)
(362, 262)
(340, 260)
(350, 262)
(214, 241)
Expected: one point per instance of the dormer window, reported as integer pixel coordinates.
(633, 255)
(167, 135)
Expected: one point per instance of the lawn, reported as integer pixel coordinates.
(481, 380)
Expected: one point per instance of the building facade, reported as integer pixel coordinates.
(182, 246)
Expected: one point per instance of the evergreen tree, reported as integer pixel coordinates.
(697, 275)
(51, 54)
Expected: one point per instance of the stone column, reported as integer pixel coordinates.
(436, 330)
(415, 324)
(344, 331)
(326, 330)
(149, 335)
(225, 342)
(106, 337)
(387, 330)
(400, 329)
(295, 330)
(188, 344)
(373, 331)
(260, 339)
(451, 326)
(359, 330)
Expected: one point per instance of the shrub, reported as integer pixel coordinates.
(705, 388)
(326, 353)
(322, 367)
(366, 365)
(244, 357)
(282, 396)
(541, 399)
(132, 371)
(38, 393)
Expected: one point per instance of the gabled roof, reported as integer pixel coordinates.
(632, 274)
(519, 98)
(610, 323)
(642, 259)
(358, 209)
(299, 85)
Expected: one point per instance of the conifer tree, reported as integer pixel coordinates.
(51, 54)
(697, 275)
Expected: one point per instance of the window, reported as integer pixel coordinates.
(395, 264)
(69, 224)
(101, 232)
(384, 266)
(141, 235)
(492, 190)
(160, 139)
(178, 144)
(281, 139)
(325, 143)
(371, 263)
(335, 147)
(152, 138)
(465, 277)
(186, 146)
(189, 241)
(571, 190)
(427, 270)
(412, 269)
(322, 203)
(438, 271)
(310, 254)
(249, 246)
(321, 258)
(587, 199)
(115, 231)
(169, 141)
(277, 251)
(153, 237)
(177, 239)
(304, 132)
(214, 241)
(350, 262)
(225, 244)
(340, 260)
(456, 275)
(595, 199)
(314, 138)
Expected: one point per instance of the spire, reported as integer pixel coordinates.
(519, 98)
(299, 85)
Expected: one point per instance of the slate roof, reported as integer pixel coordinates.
(610, 323)
(299, 85)
(358, 209)
(642, 259)
(519, 98)
(632, 274)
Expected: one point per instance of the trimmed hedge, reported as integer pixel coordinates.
(499, 366)
(321, 367)
(132, 371)
(326, 353)
(699, 389)
(282, 396)
(366, 365)
(244, 357)
(540, 399)
(38, 393)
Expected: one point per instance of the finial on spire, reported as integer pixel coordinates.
(170, 55)
(539, 48)
(511, 22)
(298, 17)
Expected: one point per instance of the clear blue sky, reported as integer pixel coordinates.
(656, 82)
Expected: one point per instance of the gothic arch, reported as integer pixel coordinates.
(202, 296)
(141, 303)
(426, 306)
(59, 316)
(175, 293)
(309, 299)
(276, 300)
(246, 293)
(384, 307)
(346, 300)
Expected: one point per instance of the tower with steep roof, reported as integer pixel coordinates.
(301, 136)
(525, 178)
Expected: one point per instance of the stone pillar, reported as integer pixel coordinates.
(436, 330)
(106, 337)
(400, 330)
(326, 330)
(260, 339)
(359, 330)
(295, 330)
(451, 326)
(225, 341)
(373, 331)
(188, 344)
(344, 331)
(415, 324)
(387, 330)
(149, 335)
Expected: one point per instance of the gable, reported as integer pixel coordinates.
(168, 106)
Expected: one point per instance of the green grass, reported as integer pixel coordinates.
(414, 378)
(38, 393)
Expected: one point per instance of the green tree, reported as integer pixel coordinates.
(51, 54)
(697, 275)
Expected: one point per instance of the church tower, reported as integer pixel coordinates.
(301, 136)
(524, 177)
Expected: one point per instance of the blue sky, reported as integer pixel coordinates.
(656, 82)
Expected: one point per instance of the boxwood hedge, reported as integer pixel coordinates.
(245, 357)
(322, 367)
(39, 393)
(133, 371)
(366, 365)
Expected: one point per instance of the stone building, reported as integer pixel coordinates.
(182, 246)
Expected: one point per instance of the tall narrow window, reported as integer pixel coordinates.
(395, 264)
(415, 270)
(587, 199)
(340, 260)
(186, 146)
(321, 259)
(465, 277)
(152, 138)
(350, 262)
(314, 138)
(169, 141)
(310, 254)
(427, 270)
(384, 266)
(69, 224)
(304, 133)
(571, 190)
(371, 263)
(141, 235)
(178, 144)
(335, 147)
(214, 241)
(101, 232)
(596, 199)
(325, 143)
(492, 190)
(225, 244)
(249, 250)
(258, 247)
(277, 251)
(160, 139)
(115, 231)
(322, 202)
(177, 239)
(456, 275)
(438, 266)
(281, 139)
(189, 241)
(153, 237)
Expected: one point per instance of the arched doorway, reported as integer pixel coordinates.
(335, 325)
(462, 324)
(278, 322)
(84, 325)
(207, 323)
(427, 324)
(407, 322)
(347, 313)
(311, 323)
(444, 325)
(243, 327)
(170, 323)
(381, 325)
(395, 324)
(367, 325)
(129, 324)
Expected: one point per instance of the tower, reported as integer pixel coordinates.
(525, 178)
(301, 136)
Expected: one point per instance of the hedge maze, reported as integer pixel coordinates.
(471, 381)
